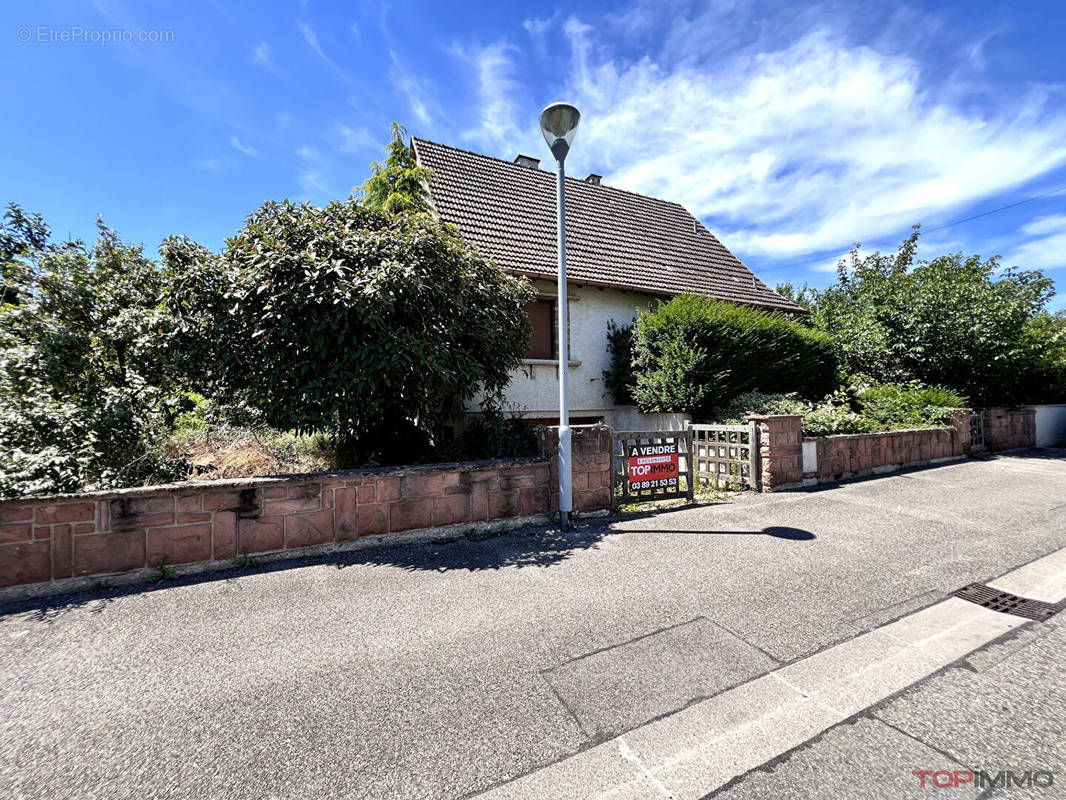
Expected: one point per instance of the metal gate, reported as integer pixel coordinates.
(628, 446)
(977, 431)
(727, 456)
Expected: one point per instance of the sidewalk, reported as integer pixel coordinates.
(445, 670)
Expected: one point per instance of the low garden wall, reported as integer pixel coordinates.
(58, 543)
(789, 460)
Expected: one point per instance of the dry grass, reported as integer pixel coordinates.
(247, 453)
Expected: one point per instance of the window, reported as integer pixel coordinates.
(543, 342)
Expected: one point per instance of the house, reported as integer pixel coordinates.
(624, 253)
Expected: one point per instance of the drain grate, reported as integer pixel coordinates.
(1007, 603)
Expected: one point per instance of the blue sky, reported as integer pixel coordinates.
(791, 130)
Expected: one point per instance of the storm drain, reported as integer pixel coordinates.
(1007, 603)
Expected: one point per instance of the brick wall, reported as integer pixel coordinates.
(101, 533)
(863, 454)
(788, 459)
(1009, 430)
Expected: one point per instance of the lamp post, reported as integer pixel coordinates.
(558, 123)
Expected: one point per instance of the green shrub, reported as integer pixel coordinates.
(760, 403)
(894, 406)
(859, 407)
(620, 379)
(697, 354)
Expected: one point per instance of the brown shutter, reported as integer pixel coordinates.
(540, 316)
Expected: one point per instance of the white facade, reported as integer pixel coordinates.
(1050, 425)
(534, 388)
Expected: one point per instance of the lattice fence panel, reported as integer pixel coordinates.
(726, 456)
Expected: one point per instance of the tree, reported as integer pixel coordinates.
(21, 236)
(84, 384)
(399, 185)
(954, 321)
(345, 319)
(696, 354)
(1045, 338)
(806, 296)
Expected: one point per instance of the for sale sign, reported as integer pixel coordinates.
(653, 466)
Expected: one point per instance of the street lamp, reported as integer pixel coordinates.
(558, 123)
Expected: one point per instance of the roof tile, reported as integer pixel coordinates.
(613, 237)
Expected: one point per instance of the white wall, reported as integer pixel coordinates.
(630, 418)
(1050, 425)
(534, 389)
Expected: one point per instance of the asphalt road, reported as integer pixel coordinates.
(442, 670)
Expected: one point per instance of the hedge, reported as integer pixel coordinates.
(696, 354)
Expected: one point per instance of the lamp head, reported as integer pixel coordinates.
(558, 123)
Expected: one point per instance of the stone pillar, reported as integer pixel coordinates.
(960, 439)
(781, 446)
(1009, 430)
(591, 465)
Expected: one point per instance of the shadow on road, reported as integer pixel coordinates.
(529, 547)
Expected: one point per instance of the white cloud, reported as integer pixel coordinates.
(1052, 223)
(784, 148)
(1047, 248)
(208, 164)
(312, 40)
(413, 88)
(536, 26)
(261, 56)
(247, 149)
(812, 147)
(312, 181)
(497, 131)
(311, 174)
(353, 140)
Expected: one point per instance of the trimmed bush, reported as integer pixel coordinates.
(696, 354)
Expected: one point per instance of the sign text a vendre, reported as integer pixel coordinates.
(653, 466)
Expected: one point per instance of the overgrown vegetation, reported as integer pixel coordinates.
(86, 392)
(696, 354)
(371, 327)
(957, 321)
(217, 441)
(859, 407)
(341, 336)
(495, 434)
(881, 341)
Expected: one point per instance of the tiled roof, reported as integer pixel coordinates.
(613, 237)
